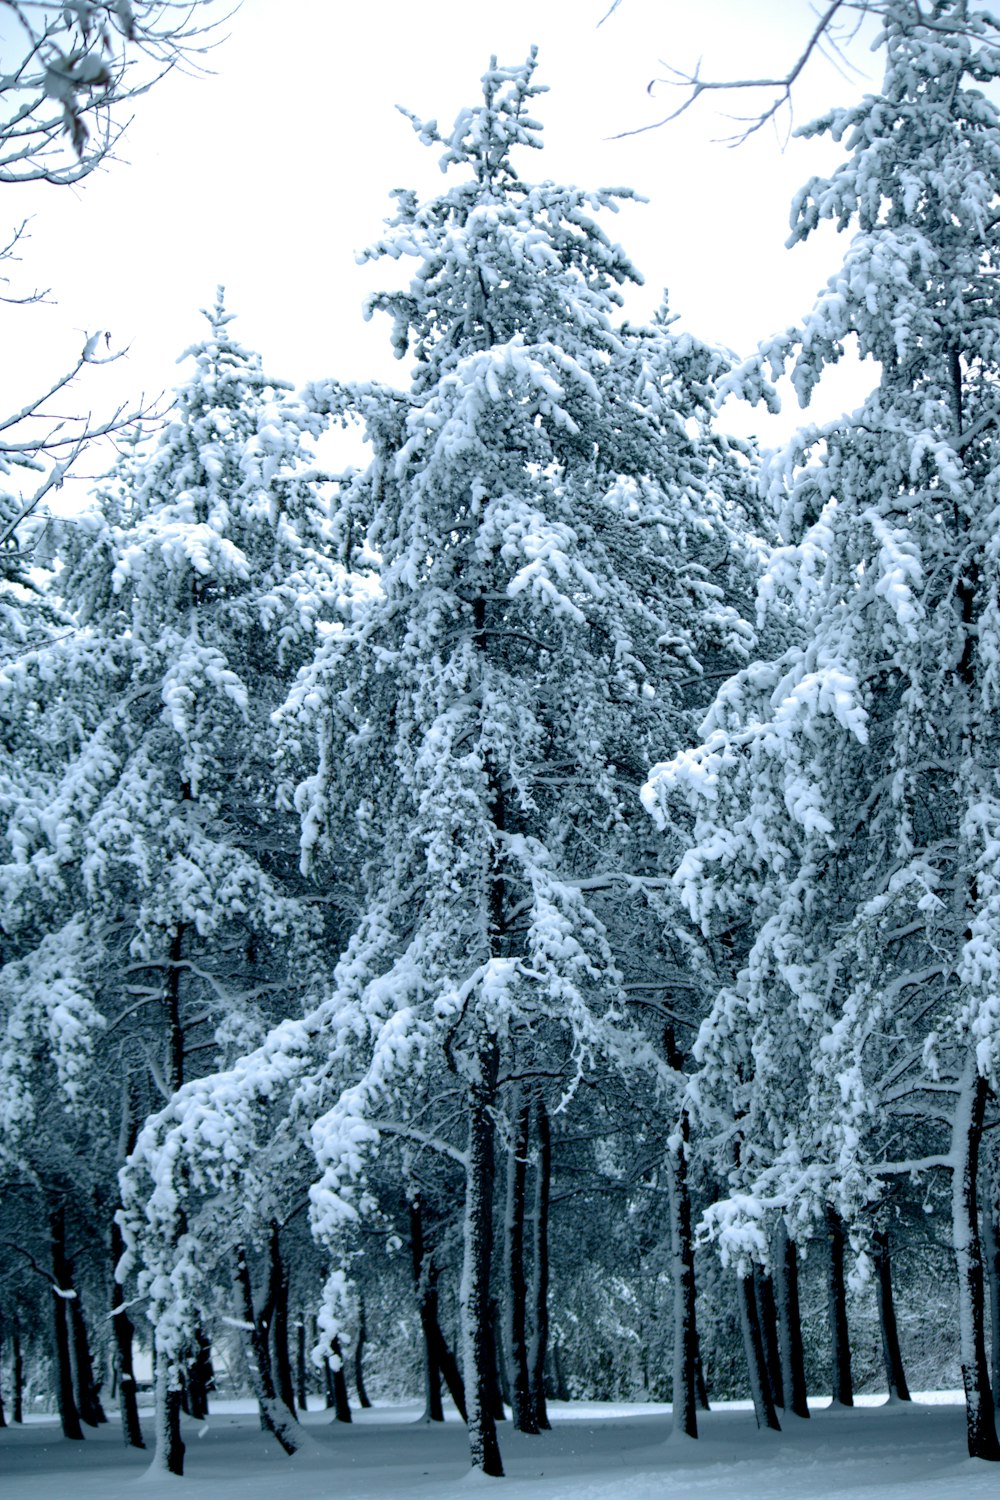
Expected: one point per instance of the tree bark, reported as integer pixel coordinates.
(892, 1356)
(684, 1391)
(88, 1401)
(768, 1310)
(359, 1382)
(753, 1345)
(967, 1129)
(477, 1342)
(793, 1368)
(437, 1358)
(275, 1417)
(991, 1266)
(539, 1341)
(840, 1342)
(278, 1332)
(169, 1453)
(62, 1291)
(124, 1331)
(338, 1382)
(18, 1374)
(199, 1378)
(516, 1302)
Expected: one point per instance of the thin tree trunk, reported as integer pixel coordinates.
(62, 1291)
(341, 1403)
(301, 1400)
(539, 1340)
(991, 1266)
(793, 1367)
(516, 1302)
(683, 1396)
(88, 1401)
(892, 1356)
(18, 1373)
(3, 1414)
(768, 1311)
(124, 1331)
(840, 1342)
(967, 1131)
(278, 1333)
(275, 1417)
(169, 1453)
(496, 1371)
(477, 1343)
(200, 1377)
(425, 1281)
(359, 1382)
(753, 1345)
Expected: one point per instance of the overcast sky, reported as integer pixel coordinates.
(270, 172)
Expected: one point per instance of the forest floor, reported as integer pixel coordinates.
(596, 1451)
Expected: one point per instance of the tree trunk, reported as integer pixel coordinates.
(278, 1333)
(3, 1414)
(967, 1131)
(169, 1454)
(991, 1266)
(338, 1380)
(88, 1401)
(516, 1281)
(301, 1400)
(359, 1382)
(18, 1373)
(425, 1281)
(124, 1331)
(200, 1378)
(892, 1356)
(793, 1367)
(477, 1342)
(840, 1342)
(62, 1291)
(539, 1341)
(753, 1345)
(496, 1370)
(768, 1311)
(275, 1417)
(684, 1394)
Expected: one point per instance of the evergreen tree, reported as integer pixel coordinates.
(846, 792)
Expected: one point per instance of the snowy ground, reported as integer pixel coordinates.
(595, 1452)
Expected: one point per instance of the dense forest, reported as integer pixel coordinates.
(520, 919)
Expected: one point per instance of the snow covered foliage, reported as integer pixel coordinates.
(158, 877)
(846, 793)
(559, 540)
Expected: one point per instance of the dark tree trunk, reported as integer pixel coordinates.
(793, 1365)
(359, 1380)
(88, 1402)
(684, 1394)
(338, 1380)
(840, 1341)
(559, 1376)
(425, 1281)
(519, 1381)
(539, 1341)
(991, 1267)
(170, 1449)
(967, 1132)
(479, 1354)
(62, 1292)
(200, 1378)
(496, 1373)
(18, 1373)
(753, 1345)
(275, 1417)
(278, 1332)
(123, 1330)
(3, 1414)
(300, 1365)
(892, 1356)
(768, 1310)
(701, 1388)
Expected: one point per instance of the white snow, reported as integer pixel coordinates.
(596, 1451)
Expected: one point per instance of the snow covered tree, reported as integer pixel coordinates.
(199, 582)
(846, 792)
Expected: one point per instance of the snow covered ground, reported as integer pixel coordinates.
(595, 1452)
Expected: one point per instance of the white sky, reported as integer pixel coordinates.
(270, 173)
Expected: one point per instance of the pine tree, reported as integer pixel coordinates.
(846, 791)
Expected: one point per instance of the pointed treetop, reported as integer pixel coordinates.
(486, 134)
